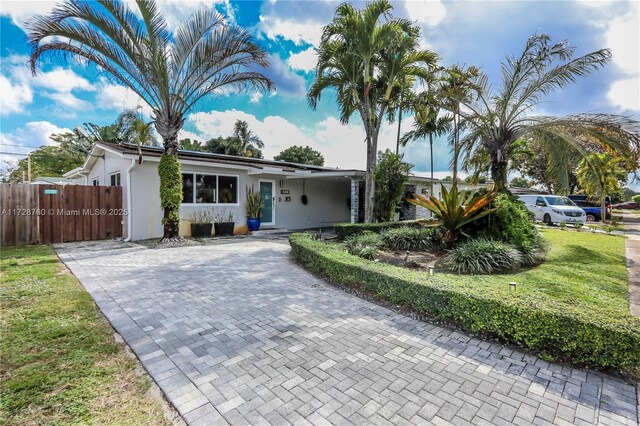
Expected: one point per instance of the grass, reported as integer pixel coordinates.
(59, 363)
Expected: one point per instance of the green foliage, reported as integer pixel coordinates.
(200, 215)
(363, 245)
(191, 145)
(560, 314)
(483, 256)
(46, 161)
(231, 146)
(601, 174)
(410, 238)
(345, 230)
(456, 209)
(301, 155)
(636, 198)
(170, 188)
(391, 174)
(254, 204)
(520, 182)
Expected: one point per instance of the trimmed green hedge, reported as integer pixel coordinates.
(583, 336)
(345, 230)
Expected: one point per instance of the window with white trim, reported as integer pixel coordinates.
(95, 182)
(202, 188)
(115, 179)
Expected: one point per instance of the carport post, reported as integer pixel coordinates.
(355, 200)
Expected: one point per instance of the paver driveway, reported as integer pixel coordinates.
(236, 333)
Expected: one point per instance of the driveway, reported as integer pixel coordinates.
(237, 333)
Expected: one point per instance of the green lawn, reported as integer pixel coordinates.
(582, 268)
(59, 363)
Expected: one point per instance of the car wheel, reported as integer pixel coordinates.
(591, 218)
(547, 219)
(636, 208)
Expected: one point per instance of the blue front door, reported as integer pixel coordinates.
(266, 191)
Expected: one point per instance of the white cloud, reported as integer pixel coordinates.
(298, 30)
(625, 94)
(341, 145)
(255, 97)
(174, 11)
(117, 97)
(623, 38)
(14, 96)
(428, 12)
(62, 80)
(185, 134)
(29, 137)
(305, 60)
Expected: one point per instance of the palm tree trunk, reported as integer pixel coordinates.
(455, 148)
(499, 171)
(431, 158)
(370, 188)
(170, 176)
(603, 208)
(399, 124)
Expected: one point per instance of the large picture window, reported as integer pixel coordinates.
(198, 188)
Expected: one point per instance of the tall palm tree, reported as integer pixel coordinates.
(459, 84)
(171, 71)
(246, 138)
(363, 55)
(429, 122)
(497, 119)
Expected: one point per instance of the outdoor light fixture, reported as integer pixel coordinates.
(512, 285)
(431, 270)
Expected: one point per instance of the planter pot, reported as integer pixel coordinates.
(253, 223)
(201, 230)
(224, 228)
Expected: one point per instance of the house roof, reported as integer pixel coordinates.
(207, 157)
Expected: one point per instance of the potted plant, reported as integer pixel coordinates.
(253, 207)
(200, 223)
(224, 223)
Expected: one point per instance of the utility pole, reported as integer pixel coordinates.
(29, 166)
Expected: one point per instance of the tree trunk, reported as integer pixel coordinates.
(456, 135)
(603, 208)
(431, 158)
(499, 171)
(370, 185)
(170, 179)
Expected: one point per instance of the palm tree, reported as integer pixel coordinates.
(171, 71)
(363, 55)
(429, 122)
(246, 138)
(133, 129)
(497, 119)
(458, 86)
(599, 175)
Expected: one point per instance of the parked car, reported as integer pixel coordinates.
(553, 209)
(629, 205)
(592, 208)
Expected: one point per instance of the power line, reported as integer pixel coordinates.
(26, 154)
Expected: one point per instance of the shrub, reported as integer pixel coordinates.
(585, 336)
(483, 256)
(409, 238)
(457, 208)
(345, 230)
(390, 174)
(534, 253)
(364, 245)
(512, 223)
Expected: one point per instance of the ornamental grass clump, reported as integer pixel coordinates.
(409, 238)
(365, 245)
(483, 256)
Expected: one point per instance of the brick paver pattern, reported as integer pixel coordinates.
(237, 333)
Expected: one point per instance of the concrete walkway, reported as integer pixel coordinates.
(236, 333)
(632, 232)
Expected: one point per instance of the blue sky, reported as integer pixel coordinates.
(465, 32)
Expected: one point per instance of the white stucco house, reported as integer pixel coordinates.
(219, 182)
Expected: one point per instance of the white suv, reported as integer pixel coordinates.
(554, 209)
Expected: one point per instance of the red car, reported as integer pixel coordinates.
(629, 205)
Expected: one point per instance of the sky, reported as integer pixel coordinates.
(66, 94)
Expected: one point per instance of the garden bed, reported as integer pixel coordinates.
(573, 307)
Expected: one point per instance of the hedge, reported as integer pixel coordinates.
(345, 230)
(584, 337)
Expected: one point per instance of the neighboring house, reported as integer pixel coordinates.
(53, 180)
(219, 182)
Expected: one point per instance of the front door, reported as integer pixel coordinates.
(268, 215)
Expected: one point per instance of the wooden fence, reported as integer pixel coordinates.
(49, 214)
